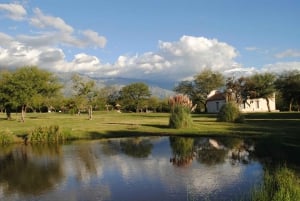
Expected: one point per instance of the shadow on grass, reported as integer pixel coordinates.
(121, 133)
(160, 126)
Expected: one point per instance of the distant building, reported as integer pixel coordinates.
(216, 99)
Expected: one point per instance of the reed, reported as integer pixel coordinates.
(180, 116)
(46, 134)
(280, 185)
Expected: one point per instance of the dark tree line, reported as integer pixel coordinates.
(286, 86)
(33, 89)
(37, 90)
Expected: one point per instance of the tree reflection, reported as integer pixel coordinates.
(183, 151)
(212, 156)
(22, 172)
(136, 147)
(215, 151)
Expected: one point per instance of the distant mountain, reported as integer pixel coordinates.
(118, 82)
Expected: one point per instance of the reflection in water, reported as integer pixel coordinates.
(209, 151)
(136, 147)
(27, 170)
(183, 151)
(200, 168)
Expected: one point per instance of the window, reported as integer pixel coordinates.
(257, 104)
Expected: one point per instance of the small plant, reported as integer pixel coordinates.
(180, 111)
(46, 134)
(6, 137)
(229, 112)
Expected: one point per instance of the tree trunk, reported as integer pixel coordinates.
(90, 111)
(268, 104)
(8, 113)
(23, 113)
(291, 103)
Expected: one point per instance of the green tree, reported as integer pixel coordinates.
(85, 93)
(133, 95)
(261, 86)
(206, 81)
(186, 87)
(199, 88)
(20, 88)
(288, 84)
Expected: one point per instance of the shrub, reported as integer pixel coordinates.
(229, 112)
(180, 116)
(46, 134)
(6, 137)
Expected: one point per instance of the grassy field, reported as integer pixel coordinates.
(113, 124)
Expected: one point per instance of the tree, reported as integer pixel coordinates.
(134, 94)
(261, 86)
(235, 89)
(206, 81)
(22, 86)
(186, 87)
(288, 84)
(199, 88)
(84, 93)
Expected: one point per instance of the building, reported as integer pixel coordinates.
(216, 99)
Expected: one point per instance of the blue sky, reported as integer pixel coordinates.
(157, 40)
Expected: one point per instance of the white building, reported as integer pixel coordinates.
(216, 99)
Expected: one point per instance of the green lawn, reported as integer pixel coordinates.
(113, 124)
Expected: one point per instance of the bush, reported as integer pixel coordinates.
(6, 137)
(46, 134)
(229, 112)
(180, 112)
(282, 184)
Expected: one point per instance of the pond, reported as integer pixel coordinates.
(143, 168)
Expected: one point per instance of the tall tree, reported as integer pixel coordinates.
(288, 83)
(186, 87)
(22, 86)
(85, 93)
(133, 95)
(235, 89)
(261, 86)
(206, 81)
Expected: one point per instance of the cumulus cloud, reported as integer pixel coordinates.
(13, 11)
(176, 60)
(288, 53)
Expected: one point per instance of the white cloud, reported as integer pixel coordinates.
(14, 11)
(281, 67)
(41, 20)
(175, 60)
(251, 48)
(288, 53)
(94, 38)
(54, 31)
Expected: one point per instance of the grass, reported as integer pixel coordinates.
(279, 185)
(113, 124)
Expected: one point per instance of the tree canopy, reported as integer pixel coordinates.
(20, 88)
(199, 88)
(288, 84)
(134, 95)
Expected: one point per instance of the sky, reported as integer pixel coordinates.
(161, 41)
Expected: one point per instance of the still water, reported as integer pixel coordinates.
(144, 168)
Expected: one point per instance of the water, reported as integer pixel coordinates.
(144, 168)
